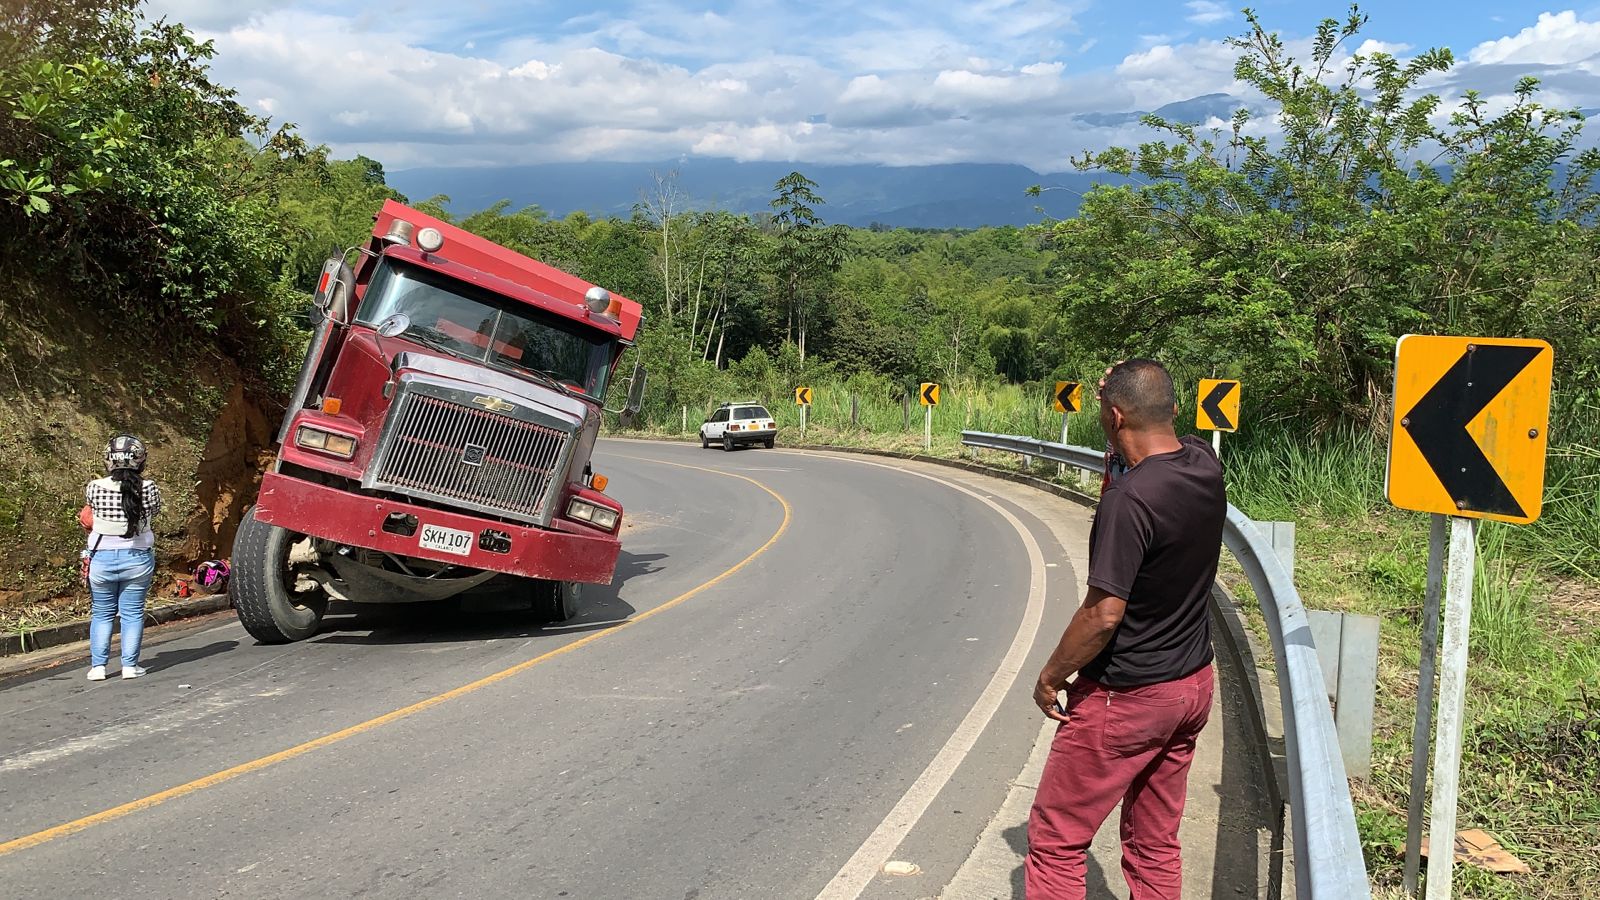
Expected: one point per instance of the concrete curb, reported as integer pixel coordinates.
(78, 629)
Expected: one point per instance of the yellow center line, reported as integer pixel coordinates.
(256, 765)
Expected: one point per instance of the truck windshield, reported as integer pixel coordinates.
(480, 325)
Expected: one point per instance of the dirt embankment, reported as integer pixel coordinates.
(70, 379)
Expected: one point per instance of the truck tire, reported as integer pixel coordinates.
(261, 589)
(556, 601)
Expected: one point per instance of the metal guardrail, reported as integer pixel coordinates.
(1327, 848)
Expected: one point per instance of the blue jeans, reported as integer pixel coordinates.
(119, 582)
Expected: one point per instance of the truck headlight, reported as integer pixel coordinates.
(596, 515)
(329, 442)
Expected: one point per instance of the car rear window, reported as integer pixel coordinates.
(751, 412)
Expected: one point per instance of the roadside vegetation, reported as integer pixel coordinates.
(1288, 250)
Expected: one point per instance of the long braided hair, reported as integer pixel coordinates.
(125, 459)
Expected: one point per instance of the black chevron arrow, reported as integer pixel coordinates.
(1438, 425)
(927, 393)
(1212, 404)
(1065, 397)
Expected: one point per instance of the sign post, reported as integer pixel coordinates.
(1067, 400)
(930, 399)
(1438, 533)
(1217, 408)
(1468, 442)
(802, 399)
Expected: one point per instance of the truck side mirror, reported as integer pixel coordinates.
(636, 391)
(312, 316)
(335, 288)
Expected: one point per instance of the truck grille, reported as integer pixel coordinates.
(462, 455)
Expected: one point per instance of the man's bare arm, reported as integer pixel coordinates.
(1086, 635)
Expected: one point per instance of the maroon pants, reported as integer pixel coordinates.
(1133, 746)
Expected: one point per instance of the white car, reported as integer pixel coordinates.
(733, 424)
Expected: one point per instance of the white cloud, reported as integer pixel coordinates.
(1166, 73)
(1557, 38)
(1208, 12)
(1369, 47)
(209, 15)
(980, 82)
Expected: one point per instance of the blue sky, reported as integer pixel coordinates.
(492, 82)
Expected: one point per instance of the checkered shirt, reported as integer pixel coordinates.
(104, 496)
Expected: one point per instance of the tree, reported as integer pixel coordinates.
(659, 205)
(807, 252)
(125, 168)
(1298, 258)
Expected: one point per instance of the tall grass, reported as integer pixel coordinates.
(1284, 475)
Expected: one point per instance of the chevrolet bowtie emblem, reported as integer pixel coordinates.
(493, 404)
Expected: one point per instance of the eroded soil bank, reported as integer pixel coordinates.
(68, 381)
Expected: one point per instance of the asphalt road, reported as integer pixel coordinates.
(743, 734)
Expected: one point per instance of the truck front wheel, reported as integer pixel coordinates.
(263, 585)
(556, 601)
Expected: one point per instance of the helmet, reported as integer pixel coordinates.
(125, 452)
(212, 574)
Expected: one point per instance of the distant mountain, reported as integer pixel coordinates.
(1194, 111)
(942, 196)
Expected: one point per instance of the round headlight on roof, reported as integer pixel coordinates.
(429, 240)
(400, 232)
(598, 299)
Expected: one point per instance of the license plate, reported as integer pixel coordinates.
(445, 540)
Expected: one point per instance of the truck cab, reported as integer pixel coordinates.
(439, 436)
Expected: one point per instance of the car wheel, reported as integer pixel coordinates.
(727, 444)
(704, 444)
(769, 442)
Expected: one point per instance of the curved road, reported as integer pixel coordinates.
(807, 666)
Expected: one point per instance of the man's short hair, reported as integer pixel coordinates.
(1142, 390)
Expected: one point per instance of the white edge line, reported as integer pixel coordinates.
(858, 872)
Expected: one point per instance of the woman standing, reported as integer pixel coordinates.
(121, 553)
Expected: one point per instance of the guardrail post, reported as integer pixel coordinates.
(1347, 648)
(1281, 536)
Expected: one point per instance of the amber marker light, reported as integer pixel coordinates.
(331, 405)
(599, 482)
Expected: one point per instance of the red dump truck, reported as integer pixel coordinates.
(438, 440)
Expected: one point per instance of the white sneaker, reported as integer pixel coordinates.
(132, 671)
(97, 673)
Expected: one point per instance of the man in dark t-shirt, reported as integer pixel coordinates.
(1141, 647)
